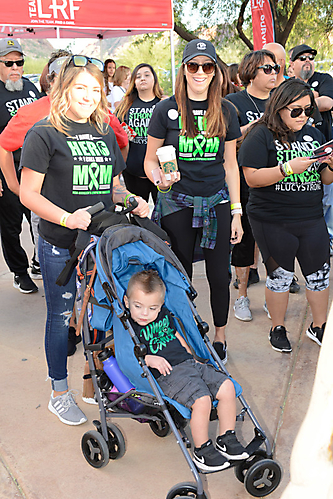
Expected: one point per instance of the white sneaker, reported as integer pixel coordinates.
(242, 309)
(65, 408)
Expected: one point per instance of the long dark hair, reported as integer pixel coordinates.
(132, 92)
(216, 125)
(285, 94)
(106, 76)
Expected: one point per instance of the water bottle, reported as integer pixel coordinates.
(120, 381)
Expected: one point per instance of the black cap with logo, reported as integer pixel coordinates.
(301, 49)
(199, 47)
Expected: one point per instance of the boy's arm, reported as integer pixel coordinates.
(159, 363)
(183, 342)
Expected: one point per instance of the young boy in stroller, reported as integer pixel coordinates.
(180, 376)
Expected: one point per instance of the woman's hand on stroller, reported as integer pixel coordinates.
(159, 363)
(142, 210)
(80, 219)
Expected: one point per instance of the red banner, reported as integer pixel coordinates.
(262, 23)
(86, 14)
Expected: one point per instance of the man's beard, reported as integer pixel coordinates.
(14, 86)
(305, 74)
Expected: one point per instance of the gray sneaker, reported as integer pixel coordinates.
(65, 408)
(242, 309)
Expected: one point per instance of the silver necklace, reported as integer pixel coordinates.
(255, 105)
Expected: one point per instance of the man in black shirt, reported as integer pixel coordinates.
(15, 92)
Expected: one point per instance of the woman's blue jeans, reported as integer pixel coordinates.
(60, 302)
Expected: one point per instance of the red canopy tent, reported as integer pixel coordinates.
(86, 19)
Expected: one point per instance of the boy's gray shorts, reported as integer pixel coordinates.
(191, 380)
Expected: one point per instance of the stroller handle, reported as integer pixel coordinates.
(96, 208)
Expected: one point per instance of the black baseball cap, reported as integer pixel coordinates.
(301, 49)
(199, 47)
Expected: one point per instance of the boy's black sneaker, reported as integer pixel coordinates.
(294, 286)
(24, 284)
(221, 350)
(208, 459)
(316, 333)
(279, 340)
(229, 446)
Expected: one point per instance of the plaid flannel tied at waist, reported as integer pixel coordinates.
(204, 214)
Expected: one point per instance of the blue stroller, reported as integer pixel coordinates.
(121, 251)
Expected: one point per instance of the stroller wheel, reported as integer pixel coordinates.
(95, 449)
(184, 490)
(161, 428)
(242, 468)
(117, 445)
(262, 478)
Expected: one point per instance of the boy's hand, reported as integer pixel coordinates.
(159, 363)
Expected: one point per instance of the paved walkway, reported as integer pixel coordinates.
(40, 458)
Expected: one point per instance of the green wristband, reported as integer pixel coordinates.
(126, 198)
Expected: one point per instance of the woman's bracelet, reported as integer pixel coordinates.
(330, 169)
(235, 205)
(126, 198)
(64, 218)
(237, 211)
(286, 169)
(163, 192)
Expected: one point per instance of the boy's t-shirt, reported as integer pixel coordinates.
(160, 339)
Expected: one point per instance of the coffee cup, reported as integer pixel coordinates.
(167, 159)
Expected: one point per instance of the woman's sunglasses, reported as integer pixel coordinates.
(10, 64)
(297, 111)
(267, 68)
(305, 57)
(208, 67)
(82, 61)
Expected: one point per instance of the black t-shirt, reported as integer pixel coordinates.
(249, 108)
(160, 339)
(10, 102)
(323, 84)
(78, 169)
(294, 198)
(200, 160)
(138, 118)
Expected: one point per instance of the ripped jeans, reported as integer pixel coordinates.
(59, 303)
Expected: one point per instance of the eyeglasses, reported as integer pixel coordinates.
(10, 64)
(297, 111)
(207, 67)
(82, 61)
(305, 57)
(267, 68)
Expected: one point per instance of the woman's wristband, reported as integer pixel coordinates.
(237, 211)
(126, 198)
(286, 169)
(330, 169)
(163, 192)
(235, 205)
(63, 219)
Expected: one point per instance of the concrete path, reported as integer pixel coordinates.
(41, 458)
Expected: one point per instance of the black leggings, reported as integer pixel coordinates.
(183, 236)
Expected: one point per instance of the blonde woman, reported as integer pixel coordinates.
(78, 165)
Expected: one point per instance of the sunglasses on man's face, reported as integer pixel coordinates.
(267, 68)
(303, 58)
(82, 61)
(297, 111)
(10, 64)
(208, 67)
